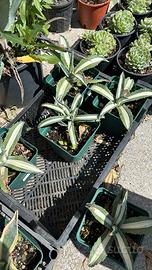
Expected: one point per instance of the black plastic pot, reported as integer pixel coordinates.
(136, 15)
(135, 76)
(124, 38)
(78, 46)
(31, 76)
(64, 11)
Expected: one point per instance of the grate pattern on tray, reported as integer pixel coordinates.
(56, 195)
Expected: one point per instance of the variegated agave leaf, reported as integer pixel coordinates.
(137, 225)
(62, 88)
(126, 116)
(72, 134)
(120, 87)
(88, 63)
(99, 250)
(20, 164)
(103, 91)
(119, 208)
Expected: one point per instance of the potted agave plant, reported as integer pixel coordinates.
(139, 8)
(123, 95)
(100, 43)
(113, 227)
(70, 131)
(19, 250)
(91, 12)
(17, 158)
(135, 60)
(70, 77)
(121, 24)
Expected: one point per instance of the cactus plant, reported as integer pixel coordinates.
(100, 43)
(145, 26)
(8, 160)
(139, 6)
(138, 58)
(117, 225)
(122, 22)
(124, 94)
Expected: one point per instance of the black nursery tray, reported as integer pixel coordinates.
(51, 203)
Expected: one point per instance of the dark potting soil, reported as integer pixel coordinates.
(87, 46)
(92, 229)
(94, 2)
(24, 254)
(60, 135)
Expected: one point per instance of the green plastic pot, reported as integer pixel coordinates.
(100, 192)
(21, 179)
(62, 152)
(27, 236)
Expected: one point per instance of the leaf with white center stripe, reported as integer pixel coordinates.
(50, 121)
(65, 56)
(107, 108)
(125, 116)
(120, 87)
(124, 249)
(76, 102)
(87, 118)
(12, 137)
(72, 134)
(62, 88)
(22, 165)
(99, 250)
(81, 78)
(88, 63)
(103, 91)
(53, 107)
(137, 225)
(120, 207)
(128, 85)
(139, 94)
(100, 214)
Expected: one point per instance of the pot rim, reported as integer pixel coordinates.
(96, 5)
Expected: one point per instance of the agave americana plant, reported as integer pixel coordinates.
(8, 160)
(8, 241)
(68, 117)
(123, 95)
(74, 74)
(117, 225)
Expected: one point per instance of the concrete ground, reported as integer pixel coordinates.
(136, 176)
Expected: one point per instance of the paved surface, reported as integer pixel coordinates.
(136, 176)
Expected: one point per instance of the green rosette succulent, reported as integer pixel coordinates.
(138, 58)
(122, 22)
(139, 6)
(143, 40)
(100, 43)
(145, 26)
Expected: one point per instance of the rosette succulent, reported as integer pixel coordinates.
(143, 40)
(100, 43)
(145, 26)
(138, 58)
(122, 22)
(139, 6)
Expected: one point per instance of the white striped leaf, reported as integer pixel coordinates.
(62, 88)
(107, 108)
(88, 63)
(137, 225)
(81, 78)
(128, 85)
(50, 121)
(120, 207)
(53, 107)
(125, 116)
(64, 69)
(120, 87)
(96, 81)
(12, 137)
(87, 118)
(76, 102)
(103, 91)
(17, 163)
(63, 106)
(72, 134)
(99, 250)
(9, 235)
(65, 56)
(138, 94)
(100, 214)
(124, 249)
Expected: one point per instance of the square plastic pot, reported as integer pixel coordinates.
(21, 179)
(98, 194)
(28, 237)
(62, 152)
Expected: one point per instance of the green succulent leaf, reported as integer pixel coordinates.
(124, 249)
(138, 94)
(103, 91)
(120, 207)
(20, 164)
(53, 107)
(100, 214)
(72, 134)
(128, 85)
(87, 118)
(65, 56)
(88, 63)
(125, 116)
(76, 102)
(13, 39)
(62, 88)
(107, 108)
(99, 250)
(50, 121)
(12, 137)
(120, 87)
(137, 225)
(81, 78)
